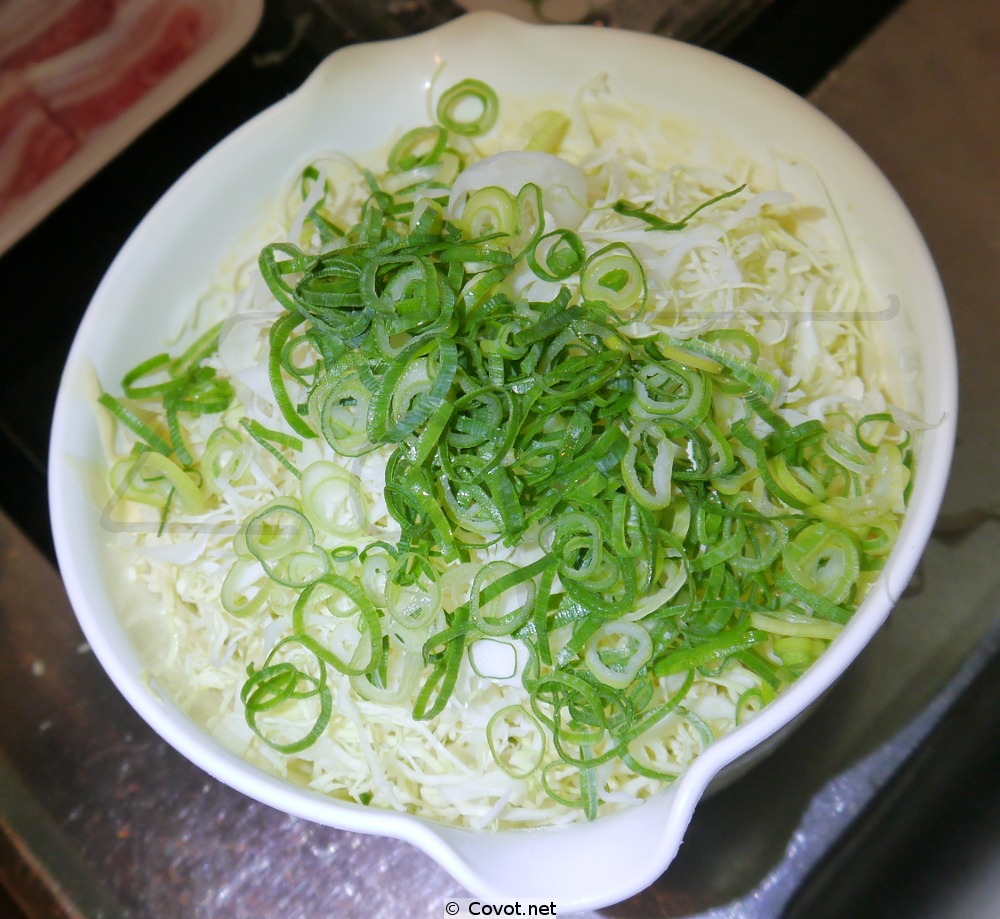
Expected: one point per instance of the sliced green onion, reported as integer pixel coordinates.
(474, 94)
(185, 489)
(516, 740)
(708, 652)
(509, 608)
(647, 466)
(489, 211)
(270, 440)
(333, 499)
(823, 560)
(613, 275)
(412, 593)
(417, 147)
(336, 597)
(274, 531)
(226, 457)
(557, 255)
(242, 593)
(546, 131)
(658, 223)
(795, 625)
(135, 424)
(616, 652)
(404, 669)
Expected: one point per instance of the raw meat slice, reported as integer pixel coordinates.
(34, 30)
(32, 144)
(102, 77)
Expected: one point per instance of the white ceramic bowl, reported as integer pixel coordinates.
(353, 102)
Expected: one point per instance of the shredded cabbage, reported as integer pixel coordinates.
(748, 283)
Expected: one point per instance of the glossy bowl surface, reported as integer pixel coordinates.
(355, 100)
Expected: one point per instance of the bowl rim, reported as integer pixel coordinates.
(444, 844)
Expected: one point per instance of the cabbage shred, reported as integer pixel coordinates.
(515, 473)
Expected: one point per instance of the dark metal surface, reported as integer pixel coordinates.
(927, 846)
(98, 818)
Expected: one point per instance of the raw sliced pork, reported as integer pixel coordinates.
(33, 145)
(34, 30)
(99, 79)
